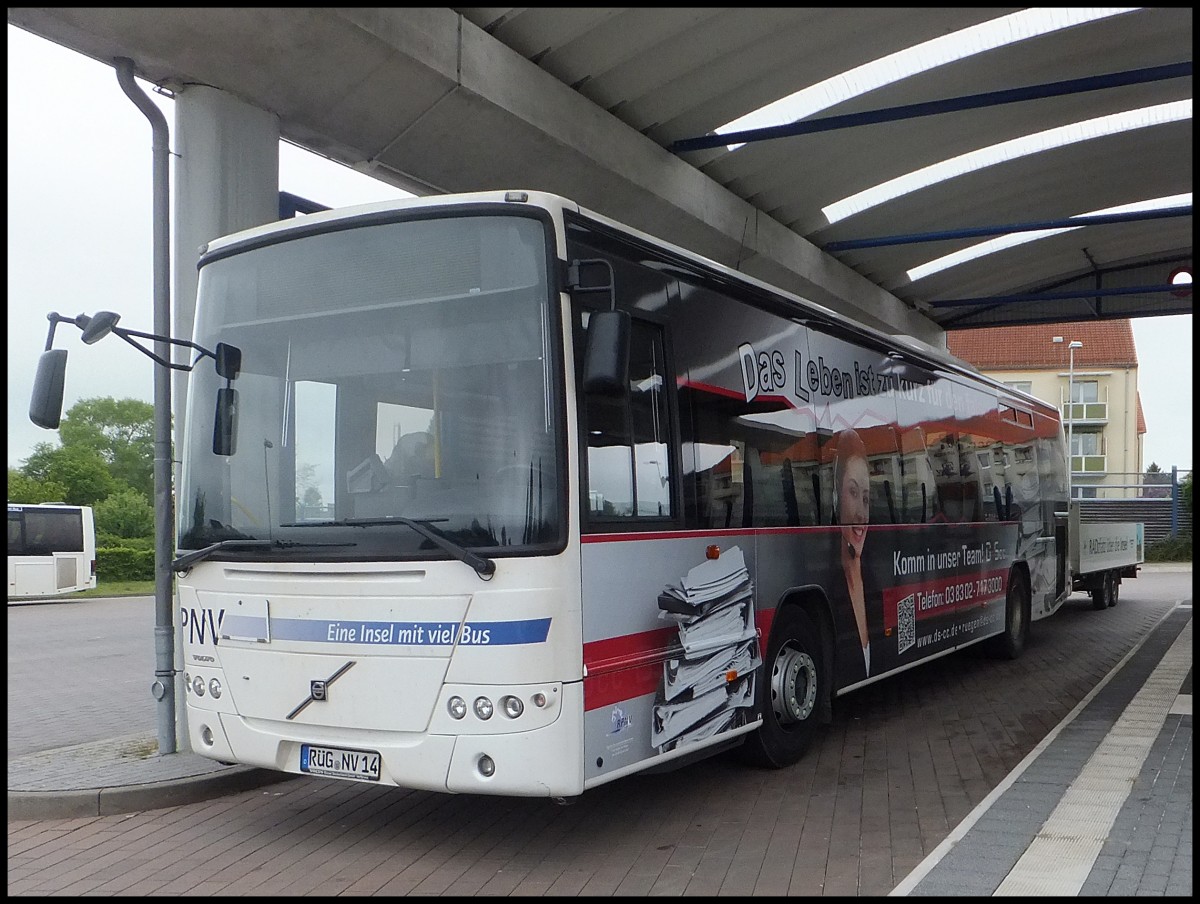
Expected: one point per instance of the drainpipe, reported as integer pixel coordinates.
(163, 688)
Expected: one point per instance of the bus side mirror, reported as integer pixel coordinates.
(225, 422)
(229, 360)
(606, 360)
(45, 404)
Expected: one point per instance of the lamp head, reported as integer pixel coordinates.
(97, 327)
(1076, 344)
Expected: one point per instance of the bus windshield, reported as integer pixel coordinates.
(398, 395)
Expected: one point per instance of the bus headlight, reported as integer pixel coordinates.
(198, 685)
(214, 688)
(512, 706)
(483, 708)
(457, 707)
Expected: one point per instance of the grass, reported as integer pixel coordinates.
(117, 588)
(109, 588)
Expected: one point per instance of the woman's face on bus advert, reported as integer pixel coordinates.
(854, 511)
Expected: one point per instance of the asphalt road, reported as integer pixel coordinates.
(89, 659)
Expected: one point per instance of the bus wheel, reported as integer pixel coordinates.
(790, 690)
(1011, 643)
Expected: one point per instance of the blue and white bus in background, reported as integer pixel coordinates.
(51, 549)
(509, 498)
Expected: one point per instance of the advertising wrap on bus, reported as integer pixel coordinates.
(520, 500)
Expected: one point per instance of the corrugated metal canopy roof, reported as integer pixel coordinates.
(678, 74)
(344, 83)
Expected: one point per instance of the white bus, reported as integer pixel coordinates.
(51, 549)
(520, 501)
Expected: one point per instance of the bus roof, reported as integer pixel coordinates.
(922, 352)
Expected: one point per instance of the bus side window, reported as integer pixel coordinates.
(916, 494)
(628, 437)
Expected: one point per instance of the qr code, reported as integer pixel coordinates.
(906, 622)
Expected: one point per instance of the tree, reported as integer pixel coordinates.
(1156, 483)
(125, 513)
(22, 488)
(309, 502)
(79, 471)
(121, 431)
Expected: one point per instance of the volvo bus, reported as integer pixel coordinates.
(509, 498)
(51, 549)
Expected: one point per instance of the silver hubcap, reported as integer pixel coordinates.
(793, 686)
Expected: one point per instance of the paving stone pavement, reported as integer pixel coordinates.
(1100, 805)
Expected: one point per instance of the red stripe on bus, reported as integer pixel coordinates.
(621, 668)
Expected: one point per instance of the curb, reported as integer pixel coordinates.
(115, 801)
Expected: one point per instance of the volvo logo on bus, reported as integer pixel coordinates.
(318, 690)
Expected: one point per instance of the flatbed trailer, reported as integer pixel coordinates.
(1102, 554)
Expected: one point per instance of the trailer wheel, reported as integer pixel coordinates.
(790, 688)
(1116, 589)
(1011, 643)
(1102, 595)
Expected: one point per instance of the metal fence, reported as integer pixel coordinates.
(1156, 499)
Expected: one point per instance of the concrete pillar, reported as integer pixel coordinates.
(226, 179)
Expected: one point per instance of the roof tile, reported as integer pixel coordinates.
(1106, 343)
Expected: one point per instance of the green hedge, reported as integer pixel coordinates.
(112, 541)
(1171, 549)
(119, 563)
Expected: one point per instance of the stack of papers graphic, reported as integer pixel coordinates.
(714, 609)
(709, 672)
(722, 628)
(700, 717)
(711, 585)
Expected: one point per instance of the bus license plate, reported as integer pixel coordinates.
(362, 765)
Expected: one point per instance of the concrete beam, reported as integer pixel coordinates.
(425, 100)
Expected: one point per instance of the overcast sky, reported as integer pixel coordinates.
(79, 240)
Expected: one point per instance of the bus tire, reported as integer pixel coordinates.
(793, 683)
(1011, 643)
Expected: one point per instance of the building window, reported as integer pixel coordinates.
(1085, 444)
(1020, 385)
(1085, 391)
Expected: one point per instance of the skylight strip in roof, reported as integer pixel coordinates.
(991, 246)
(1049, 139)
(919, 58)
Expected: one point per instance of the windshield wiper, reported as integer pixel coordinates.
(483, 566)
(188, 559)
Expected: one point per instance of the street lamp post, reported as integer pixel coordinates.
(1074, 344)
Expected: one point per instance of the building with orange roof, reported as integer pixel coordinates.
(1097, 396)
